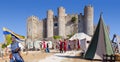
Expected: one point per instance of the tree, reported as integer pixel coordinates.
(56, 37)
(4, 45)
(74, 20)
(70, 35)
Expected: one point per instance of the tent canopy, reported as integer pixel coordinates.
(80, 36)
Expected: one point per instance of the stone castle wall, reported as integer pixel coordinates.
(70, 26)
(61, 25)
(40, 29)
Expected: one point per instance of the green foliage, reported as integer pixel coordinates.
(56, 37)
(73, 19)
(4, 45)
(8, 39)
(23, 36)
(69, 36)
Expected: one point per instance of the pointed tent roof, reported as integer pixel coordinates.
(100, 43)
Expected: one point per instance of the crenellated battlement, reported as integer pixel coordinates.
(61, 24)
(33, 17)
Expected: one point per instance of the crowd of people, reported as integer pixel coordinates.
(61, 45)
(44, 46)
(68, 45)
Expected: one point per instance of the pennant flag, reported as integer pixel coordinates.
(8, 35)
(100, 43)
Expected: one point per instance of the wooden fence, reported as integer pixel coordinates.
(110, 58)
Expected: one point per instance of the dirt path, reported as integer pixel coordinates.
(37, 56)
(71, 56)
(32, 56)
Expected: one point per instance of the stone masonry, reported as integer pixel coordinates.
(60, 25)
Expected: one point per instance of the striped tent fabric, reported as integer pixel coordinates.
(100, 43)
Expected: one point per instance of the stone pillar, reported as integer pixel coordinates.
(88, 20)
(61, 22)
(49, 23)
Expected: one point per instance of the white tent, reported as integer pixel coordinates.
(37, 44)
(83, 40)
(81, 36)
(84, 45)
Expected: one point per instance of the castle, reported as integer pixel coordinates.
(61, 25)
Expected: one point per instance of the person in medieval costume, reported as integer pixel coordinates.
(15, 51)
(47, 48)
(65, 45)
(78, 44)
(69, 47)
(44, 46)
(61, 46)
(40, 44)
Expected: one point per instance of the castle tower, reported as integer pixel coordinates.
(61, 22)
(49, 23)
(32, 31)
(88, 20)
(32, 28)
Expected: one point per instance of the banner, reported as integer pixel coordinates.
(7, 31)
(8, 35)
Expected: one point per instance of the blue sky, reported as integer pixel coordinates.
(14, 13)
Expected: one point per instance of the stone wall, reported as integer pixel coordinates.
(60, 25)
(69, 25)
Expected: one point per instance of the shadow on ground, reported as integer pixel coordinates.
(77, 57)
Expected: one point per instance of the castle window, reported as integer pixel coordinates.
(88, 41)
(55, 24)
